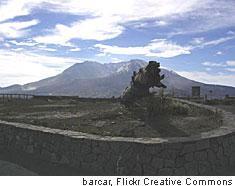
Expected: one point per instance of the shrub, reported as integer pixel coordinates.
(177, 108)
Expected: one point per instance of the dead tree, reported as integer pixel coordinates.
(147, 77)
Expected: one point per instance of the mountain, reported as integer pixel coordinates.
(92, 79)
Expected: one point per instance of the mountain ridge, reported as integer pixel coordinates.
(93, 79)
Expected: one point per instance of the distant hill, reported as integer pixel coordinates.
(92, 79)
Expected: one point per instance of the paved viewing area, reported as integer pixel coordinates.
(210, 153)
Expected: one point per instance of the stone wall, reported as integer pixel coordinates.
(195, 155)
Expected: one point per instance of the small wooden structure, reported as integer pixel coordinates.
(196, 92)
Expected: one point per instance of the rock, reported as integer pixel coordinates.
(204, 168)
(64, 159)
(202, 144)
(138, 170)
(189, 157)
(149, 170)
(214, 145)
(165, 172)
(179, 171)
(211, 155)
(200, 155)
(191, 169)
(53, 157)
(220, 153)
(104, 146)
(144, 158)
(232, 159)
(100, 124)
(169, 163)
(152, 150)
(29, 149)
(127, 132)
(188, 148)
(157, 163)
(180, 161)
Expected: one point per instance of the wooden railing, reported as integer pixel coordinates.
(16, 96)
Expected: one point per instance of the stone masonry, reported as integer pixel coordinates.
(194, 155)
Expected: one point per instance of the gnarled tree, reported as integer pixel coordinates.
(147, 77)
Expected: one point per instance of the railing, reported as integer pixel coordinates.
(16, 96)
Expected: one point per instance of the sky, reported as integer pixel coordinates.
(41, 38)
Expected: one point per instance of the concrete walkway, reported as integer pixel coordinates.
(15, 163)
(12, 169)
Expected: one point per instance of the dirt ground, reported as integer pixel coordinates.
(101, 116)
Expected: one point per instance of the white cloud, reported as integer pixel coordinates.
(231, 69)
(112, 14)
(116, 60)
(157, 48)
(44, 47)
(219, 78)
(129, 10)
(161, 23)
(213, 64)
(208, 69)
(218, 41)
(48, 49)
(101, 28)
(231, 32)
(24, 67)
(230, 63)
(200, 43)
(122, 50)
(12, 8)
(7, 45)
(107, 17)
(219, 53)
(197, 40)
(17, 49)
(162, 48)
(213, 15)
(27, 43)
(53, 39)
(75, 49)
(16, 29)
(101, 54)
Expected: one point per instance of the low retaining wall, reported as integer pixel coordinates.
(195, 155)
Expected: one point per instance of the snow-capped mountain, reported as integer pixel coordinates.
(92, 79)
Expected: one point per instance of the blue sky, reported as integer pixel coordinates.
(41, 38)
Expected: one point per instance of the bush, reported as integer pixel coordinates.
(177, 108)
(152, 107)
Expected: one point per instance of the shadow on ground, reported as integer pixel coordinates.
(163, 126)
